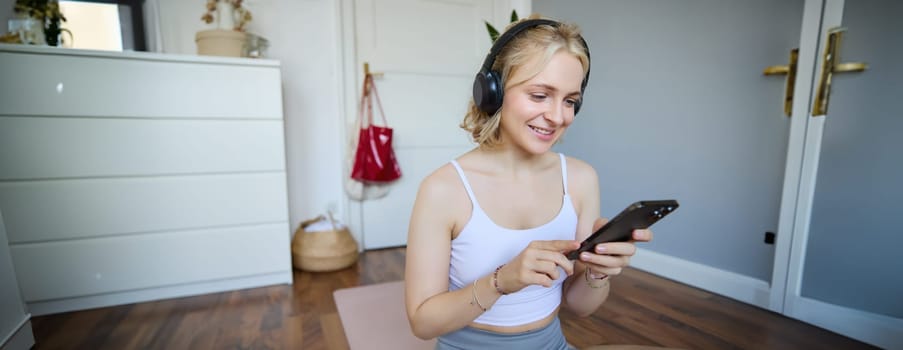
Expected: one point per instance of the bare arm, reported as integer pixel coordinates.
(584, 293)
(432, 309)
(581, 297)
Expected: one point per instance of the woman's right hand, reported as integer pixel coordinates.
(537, 264)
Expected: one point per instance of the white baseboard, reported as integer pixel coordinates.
(20, 339)
(879, 330)
(730, 284)
(151, 294)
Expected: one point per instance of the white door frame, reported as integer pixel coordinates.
(352, 212)
(348, 84)
(802, 94)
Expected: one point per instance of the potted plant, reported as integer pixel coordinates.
(494, 33)
(228, 38)
(46, 15)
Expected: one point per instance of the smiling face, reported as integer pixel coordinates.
(537, 110)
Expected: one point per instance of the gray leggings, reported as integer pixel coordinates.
(546, 338)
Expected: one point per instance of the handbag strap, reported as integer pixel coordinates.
(378, 103)
(369, 92)
(365, 96)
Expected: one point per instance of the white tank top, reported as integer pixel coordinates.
(483, 245)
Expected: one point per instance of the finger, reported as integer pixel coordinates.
(565, 264)
(616, 248)
(599, 223)
(540, 279)
(605, 261)
(546, 267)
(642, 235)
(557, 259)
(560, 246)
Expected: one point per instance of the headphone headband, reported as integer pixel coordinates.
(488, 89)
(509, 35)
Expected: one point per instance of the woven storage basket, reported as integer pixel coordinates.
(320, 251)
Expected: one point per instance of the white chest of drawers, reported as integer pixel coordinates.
(129, 177)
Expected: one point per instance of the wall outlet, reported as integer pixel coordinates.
(769, 237)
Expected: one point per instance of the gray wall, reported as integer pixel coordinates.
(677, 107)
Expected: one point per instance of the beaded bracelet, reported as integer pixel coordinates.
(495, 280)
(475, 301)
(587, 277)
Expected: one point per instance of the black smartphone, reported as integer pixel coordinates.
(637, 216)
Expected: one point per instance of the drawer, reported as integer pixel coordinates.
(72, 85)
(37, 211)
(47, 148)
(74, 268)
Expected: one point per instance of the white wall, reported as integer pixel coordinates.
(304, 36)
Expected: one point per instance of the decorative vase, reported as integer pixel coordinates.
(225, 15)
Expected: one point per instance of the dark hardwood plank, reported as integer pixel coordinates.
(643, 309)
(333, 331)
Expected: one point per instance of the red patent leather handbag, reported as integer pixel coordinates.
(374, 160)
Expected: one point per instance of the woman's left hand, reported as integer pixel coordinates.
(610, 258)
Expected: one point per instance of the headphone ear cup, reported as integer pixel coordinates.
(487, 92)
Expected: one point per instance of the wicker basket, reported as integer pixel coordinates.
(321, 251)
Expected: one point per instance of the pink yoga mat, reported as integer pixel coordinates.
(374, 317)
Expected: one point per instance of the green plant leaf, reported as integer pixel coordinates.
(513, 16)
(493, 34)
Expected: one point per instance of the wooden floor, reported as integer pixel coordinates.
(643, 309)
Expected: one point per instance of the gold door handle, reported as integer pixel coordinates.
(790, 70)
(831, 65)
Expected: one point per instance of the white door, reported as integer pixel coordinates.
(844, 272)
(428, 53)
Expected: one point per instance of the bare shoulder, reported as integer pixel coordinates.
(441, 183)
(581, 174)
(443, 192)
(583, 185)
(441, 203)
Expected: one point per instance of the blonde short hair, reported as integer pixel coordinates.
(544, 40)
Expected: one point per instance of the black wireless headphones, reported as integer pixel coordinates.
(488, 90)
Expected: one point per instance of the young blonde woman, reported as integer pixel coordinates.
(485, 262)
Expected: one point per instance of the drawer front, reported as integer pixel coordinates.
(38, 211)
(74, 268)
(63, 85)
(47, 148)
